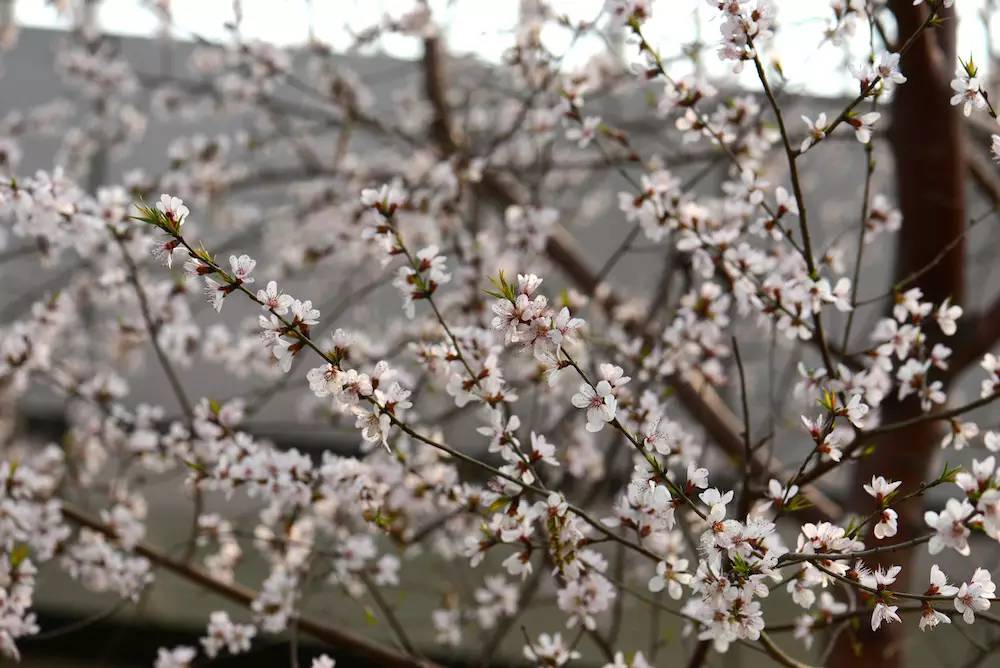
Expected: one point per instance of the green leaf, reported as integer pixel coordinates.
(504, 286)
(153, 216)
(798, 502)
(498, 504)
(949, 473)
(194, 466)
(19, 554)
(370, 616)
(970, 66)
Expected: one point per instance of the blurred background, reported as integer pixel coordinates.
(92, 630)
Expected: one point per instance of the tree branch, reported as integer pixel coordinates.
(349, 643)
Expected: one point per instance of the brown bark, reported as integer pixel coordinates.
(927, 142)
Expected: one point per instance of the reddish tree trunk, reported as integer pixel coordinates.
(926, 137)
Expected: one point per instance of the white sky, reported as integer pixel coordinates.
(484, 27)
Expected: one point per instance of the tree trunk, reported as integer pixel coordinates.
(926, 136)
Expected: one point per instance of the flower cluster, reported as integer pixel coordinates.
(548, 423)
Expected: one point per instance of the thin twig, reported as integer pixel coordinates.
(347, 642)
(744, 504)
